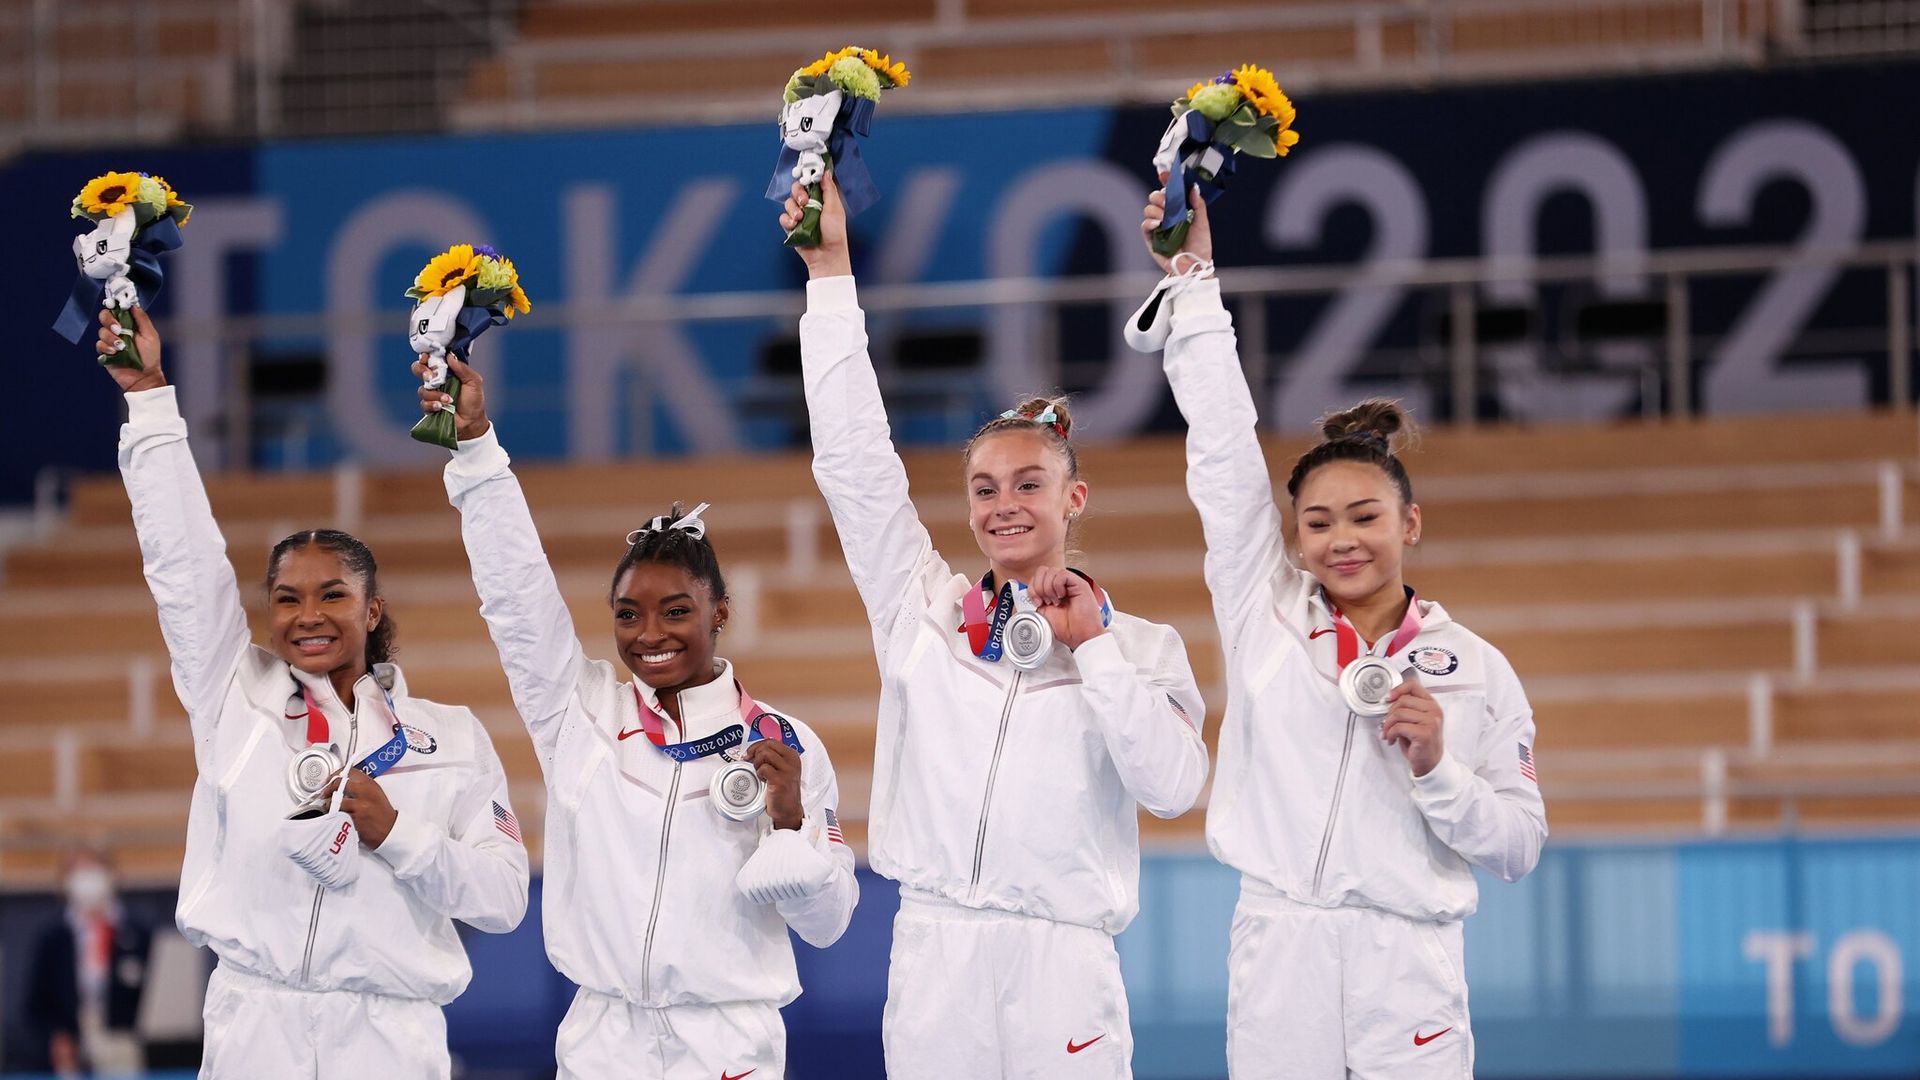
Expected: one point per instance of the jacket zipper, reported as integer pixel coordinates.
(986, 801)
(1333, 811)
(659, 883)
(320, 891)
(313, 928)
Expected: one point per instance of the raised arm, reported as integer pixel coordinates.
(519, 597)
(854, 461)
(182, 552)
(1227, 475)
(473, 866)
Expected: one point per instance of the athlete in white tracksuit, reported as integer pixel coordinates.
(1005, 801)
(1355, 873)
(671, 917)
(339, 970)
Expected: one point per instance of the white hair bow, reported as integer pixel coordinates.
(688, 522)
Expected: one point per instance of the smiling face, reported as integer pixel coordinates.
(320, 612)
(665, 621)
(1354, 530)
(1020, 500)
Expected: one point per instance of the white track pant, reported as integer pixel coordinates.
(990, 995)
(1332, 993)
(604, 1037)
(260, 1028)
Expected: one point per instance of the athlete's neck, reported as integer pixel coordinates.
(343, 680)
(670, 696)
(1379, 614)
(1023, 572)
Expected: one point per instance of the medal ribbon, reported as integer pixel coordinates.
(373, 764)
(983, 634)
(755, 719)
(1349, 638)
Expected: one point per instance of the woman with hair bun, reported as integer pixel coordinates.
(1374, 750)
(1023, 723)
(689, 825)
(330, 908)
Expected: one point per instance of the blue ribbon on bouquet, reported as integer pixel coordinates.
(473, 321)
(857, 189)
(1199, 137)
(82, 313)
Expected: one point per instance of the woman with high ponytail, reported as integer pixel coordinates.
(1374, 750)
(340, 824)
(1024, 720)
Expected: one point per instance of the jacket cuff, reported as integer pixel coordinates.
(1447, 780)
(407, 844)
(1197, 298)
(476, 461)
(831, 295)
(147, 408)
(1101, 654)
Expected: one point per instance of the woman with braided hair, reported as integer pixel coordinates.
(340, 824)
(1024, 721)
(1374, 750)
(688, 825)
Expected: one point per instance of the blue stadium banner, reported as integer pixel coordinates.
(320, 238)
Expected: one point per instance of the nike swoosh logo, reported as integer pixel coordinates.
(1317, 633)
(623, 738)
(1072, 1049)
(724, 1075)
(1422, 1040)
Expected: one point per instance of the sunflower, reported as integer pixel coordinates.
(517, 301)
(452, 267)
(109, 194)
(1258, 85)
(820, 66)
(174, 202)
(897, 73)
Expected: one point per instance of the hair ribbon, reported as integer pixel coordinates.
(688, 522)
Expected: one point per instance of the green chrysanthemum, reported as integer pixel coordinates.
(494, 276)
(154, 195)
(854, 76)
(1217, 101)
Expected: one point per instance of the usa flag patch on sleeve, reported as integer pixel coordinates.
(1526, 763)
(503, 820)
(833, 826)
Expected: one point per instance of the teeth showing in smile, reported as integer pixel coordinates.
(1012, 530)
(306, 641)
(659, 657)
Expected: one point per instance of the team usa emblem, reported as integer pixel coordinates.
(1434, 660)
(418, 741)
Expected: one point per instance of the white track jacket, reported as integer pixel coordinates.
(390, 932)
(639, 900)
(993, 787)
(1309, 802)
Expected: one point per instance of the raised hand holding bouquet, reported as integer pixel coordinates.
(135, 217)
(827, 101)
(1240, 112)
(461, 292)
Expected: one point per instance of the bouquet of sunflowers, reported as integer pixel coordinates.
(462, 292)
(827, 101)
(1242, 111)
(135, 218)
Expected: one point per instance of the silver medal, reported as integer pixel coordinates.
(309, 771)
(1027, 639)
(738, 792)
(1366, 683)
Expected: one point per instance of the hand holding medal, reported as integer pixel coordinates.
(135, 218)
(1415, 721)
(825, 103)
(1069, 603)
